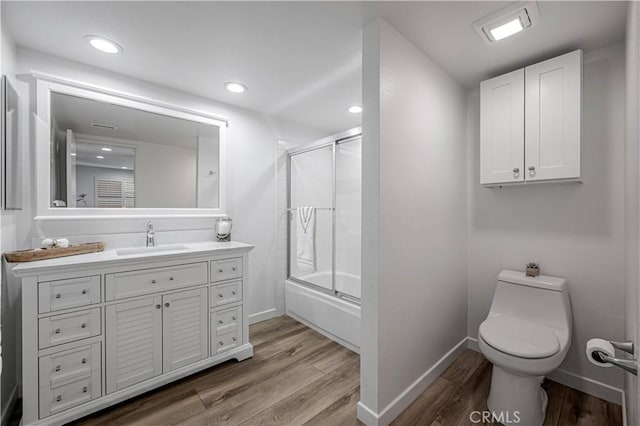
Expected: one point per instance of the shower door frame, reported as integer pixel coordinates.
(331, 141)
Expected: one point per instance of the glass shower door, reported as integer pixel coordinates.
(348, 216)
(311, 239)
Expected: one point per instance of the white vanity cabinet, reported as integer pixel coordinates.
(100, 328)
(530, 123)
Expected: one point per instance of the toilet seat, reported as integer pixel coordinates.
(522, 339)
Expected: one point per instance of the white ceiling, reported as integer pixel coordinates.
(300, 60)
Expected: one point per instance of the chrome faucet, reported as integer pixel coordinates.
(151, 235)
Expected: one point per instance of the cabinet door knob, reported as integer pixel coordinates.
(234, 292)
(220, 322)
(57, 368)
(532, 169)
(84, 389)
(220, 271)
(158, 306)
(220, 295)
(58, 398)
(83, 325)
(221, 343)
(84, 360)
(233, 269)
(235, 338)
(234, 318)
(153, 281)
(516, 170)
(58, 296)
(170, 278)
(57, 331)
(167, 305)
(84, 291)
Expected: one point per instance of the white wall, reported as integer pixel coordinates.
(573, 230)
(251, 152)
(632, 212)
(414, 224)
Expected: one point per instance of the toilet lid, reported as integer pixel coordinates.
(523, 339)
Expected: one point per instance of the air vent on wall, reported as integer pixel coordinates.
(104, 126)
(507, 21)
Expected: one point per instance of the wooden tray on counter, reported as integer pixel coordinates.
(53, 252)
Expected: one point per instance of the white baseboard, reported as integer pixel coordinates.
(263, 316)
(8, 408)
(572, 380)
(411, 393)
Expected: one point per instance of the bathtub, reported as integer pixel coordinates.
(329, 315)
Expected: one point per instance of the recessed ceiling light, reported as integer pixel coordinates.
(235, 87)
(100, 157)
(103, 44)
(73, 154)
(507, 21)
(355, 109)
(104, 148)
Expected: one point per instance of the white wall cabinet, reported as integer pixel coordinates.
(530, 123)
(97, 331)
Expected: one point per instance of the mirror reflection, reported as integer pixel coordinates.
(109, 156)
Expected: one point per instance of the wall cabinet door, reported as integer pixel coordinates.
(133, 342)
(502, 129)
(553, 118)
(184, 328)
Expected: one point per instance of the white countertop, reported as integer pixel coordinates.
(111, 256)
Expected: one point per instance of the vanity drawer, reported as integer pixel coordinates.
(225, 320)
(226, 339)
(70, 293)
(134, 283)
(59, 329)
(226, 269)
(69, 366)
(54, 399)
(223, 294)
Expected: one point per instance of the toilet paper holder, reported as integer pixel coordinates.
(629, 365)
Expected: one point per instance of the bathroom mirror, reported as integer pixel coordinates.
(108, 154)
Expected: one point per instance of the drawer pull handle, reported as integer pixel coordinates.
(234, 292)
(220, 322)
(58, 398)
(153, 281)
(167, 305)
(221, 343)
(233, 269)
(57, 331)
(220, 271)
(58, 296)
(57, 368)
(84, 291)
(84, 325)
(158, 306)
(84, 360)
(170, 278)
(84, 389)
(220, 295)
(234, 318)
(235, 338)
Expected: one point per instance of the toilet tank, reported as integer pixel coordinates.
(542, 299)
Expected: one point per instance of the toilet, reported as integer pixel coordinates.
(525, 336)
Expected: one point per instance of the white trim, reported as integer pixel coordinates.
(324, 332)
(46, 84)
(8, 409)
(574, 381)
(263, 316)
(412, 392)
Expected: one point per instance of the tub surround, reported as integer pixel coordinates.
(103, 327)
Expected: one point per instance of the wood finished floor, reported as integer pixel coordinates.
(298, 376)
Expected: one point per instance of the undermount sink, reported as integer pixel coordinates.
(145, 250)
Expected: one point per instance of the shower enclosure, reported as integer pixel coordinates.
(324, 263)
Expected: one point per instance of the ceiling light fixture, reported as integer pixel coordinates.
(99, 157)
(106, 149)
(103, 44)
(355, 109)
(507, 21)
(235, 87)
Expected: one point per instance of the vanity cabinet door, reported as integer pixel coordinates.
(184, 328)
(133, 342)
